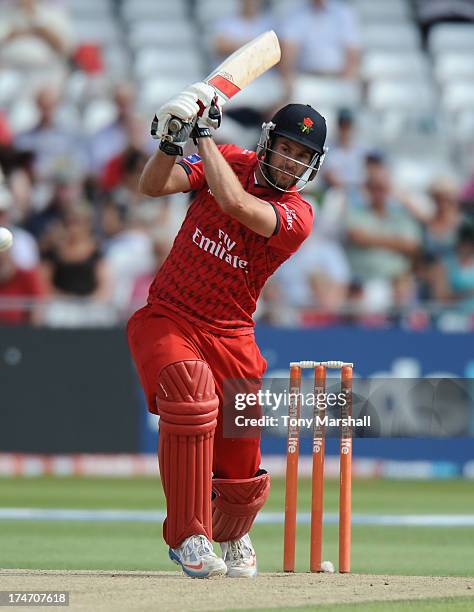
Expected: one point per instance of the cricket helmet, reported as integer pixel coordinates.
(302, 124)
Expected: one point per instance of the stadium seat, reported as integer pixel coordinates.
(117, 61)
(446, 37)
(23, 115)
(162, 34)
(102, 31)
(458, 96)
(10, 85)
(154, 9)
(262, 94)
(395, 36)
(157, 91)
(321, 91)
(382, 64)
(454, 66)
(98, 114)
(151, 62)
(212, 10)
(375, 10)
(417, 95)
(419, 172)
(90, 9)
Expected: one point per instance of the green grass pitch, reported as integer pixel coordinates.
(124, 545)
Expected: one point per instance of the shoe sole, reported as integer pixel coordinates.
(208, 574)
(241, 575)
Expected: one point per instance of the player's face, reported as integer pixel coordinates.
(288, 159)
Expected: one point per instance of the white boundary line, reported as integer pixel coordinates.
(265, 518)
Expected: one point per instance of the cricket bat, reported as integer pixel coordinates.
(241, 68)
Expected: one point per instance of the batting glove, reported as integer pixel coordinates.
(210, 119)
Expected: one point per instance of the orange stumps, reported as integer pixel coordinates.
(317, 480)
(292, 452)
(321, 401)
(345, 475)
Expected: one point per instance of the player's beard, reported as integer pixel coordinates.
(282, 179)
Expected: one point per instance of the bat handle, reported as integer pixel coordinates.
(174, 126)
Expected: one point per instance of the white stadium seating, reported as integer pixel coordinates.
(162, 34)
(391, 10)
(395, 36)
(414, 95)
(454, 66)
(446, 37)
(321, 91)
(383, 64)
(154, 9)
(151, 62)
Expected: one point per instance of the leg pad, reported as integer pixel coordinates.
(188, 407)
(235, 505)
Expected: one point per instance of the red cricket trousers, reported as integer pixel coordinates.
(158, 337)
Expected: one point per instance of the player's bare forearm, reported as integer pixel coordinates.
(220, 177)
(232, 198)
(161, 176)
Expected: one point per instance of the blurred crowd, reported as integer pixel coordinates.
(87, 243)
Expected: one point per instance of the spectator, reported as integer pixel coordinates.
(17, 288)
(128, 170)
(24, 250)
(113, 173)
(321, 38)
(54, 145)
(35, 35)
(74, 266)
(440, 231)
(344, 167)
(141, 284)
(128, 246)
(382, 236)
(234, 31)
(5, 132)
(67, 192)
(317, 276)
(467, 195)
(114, 138)
(458, 281)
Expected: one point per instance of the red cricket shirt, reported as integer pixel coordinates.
(217, 267)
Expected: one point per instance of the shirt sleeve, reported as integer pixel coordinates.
(194, 167)
(349, 28)
(294, 224)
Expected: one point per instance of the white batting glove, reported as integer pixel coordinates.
(184, 106)
(203, 92)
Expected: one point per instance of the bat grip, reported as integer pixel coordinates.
(174, 126)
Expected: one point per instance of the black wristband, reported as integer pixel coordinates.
(170, 148)
(200, 132)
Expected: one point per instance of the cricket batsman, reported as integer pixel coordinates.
(196, 330)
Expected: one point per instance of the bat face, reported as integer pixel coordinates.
(239, 70)
(224, 86)
(245, 65)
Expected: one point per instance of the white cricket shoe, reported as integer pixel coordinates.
(240, 558)
(197, 558)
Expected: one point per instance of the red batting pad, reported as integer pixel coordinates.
(224, 86)
(236, 504)
(188, 406)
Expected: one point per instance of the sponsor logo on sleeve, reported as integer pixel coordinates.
(193, 159)
(290, 215)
